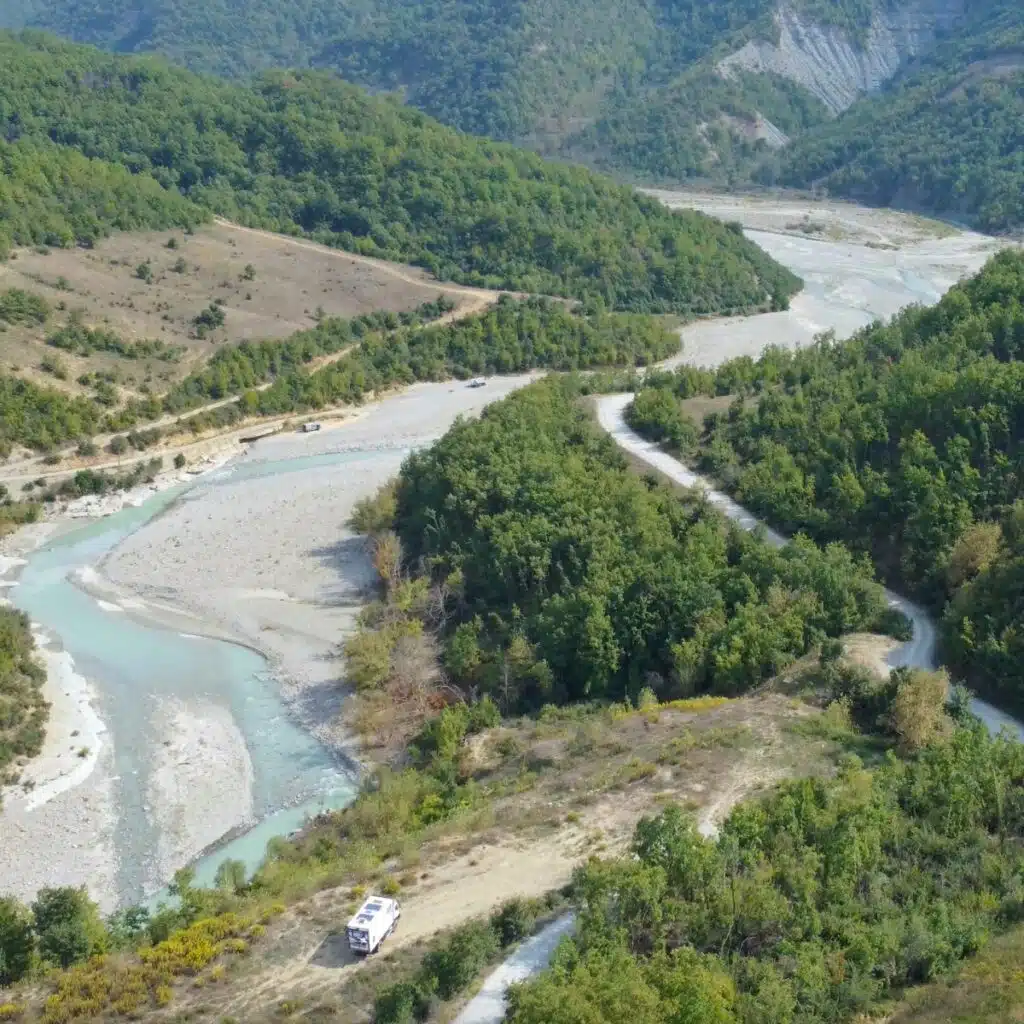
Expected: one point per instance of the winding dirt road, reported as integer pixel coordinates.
(918, 652)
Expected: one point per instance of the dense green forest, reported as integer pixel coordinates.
(40, 417)
(579, 580)
(947, 137)
(502, 69)
(695, 128)
(22, 708)
(631, 88)
(904, 442)
(305, 152)
(52, 195)
(812, 906)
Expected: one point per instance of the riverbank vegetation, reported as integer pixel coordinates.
(387, 349)
(305, 153)
(469, 781)
(903, 442)
(557, 531)
(555, 575)
(22, 707)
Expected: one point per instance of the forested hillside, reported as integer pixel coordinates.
(814, 905)
(548, 572)
(53, 195)
(577, 580)
(503, 69)
(638, 89)
(272, 377)
(904, 442)
(308, 153)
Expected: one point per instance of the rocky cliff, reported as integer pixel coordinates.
(838, 68)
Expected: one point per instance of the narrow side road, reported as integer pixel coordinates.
(488, 1005)
(921, 651)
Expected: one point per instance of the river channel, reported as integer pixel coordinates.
(136, 667)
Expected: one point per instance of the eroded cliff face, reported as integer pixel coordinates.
(837, 67)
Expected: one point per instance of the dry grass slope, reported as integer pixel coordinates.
(576, 784)
(989, 990)
(269, 286)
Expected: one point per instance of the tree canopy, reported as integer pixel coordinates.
(577, 579)
(812, 906)
(52, 195)
(946, 136)
(630, 87)
(22, 708)
(377, 351)
(904, 442)
(508, 70)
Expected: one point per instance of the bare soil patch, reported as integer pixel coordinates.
(1000, 65)
(702, 406)
(289, 284)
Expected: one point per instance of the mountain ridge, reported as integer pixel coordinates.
(663, 92)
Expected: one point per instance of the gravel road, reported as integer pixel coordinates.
(919, 652)
(488, 1006)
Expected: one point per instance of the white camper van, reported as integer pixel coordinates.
(375, 920)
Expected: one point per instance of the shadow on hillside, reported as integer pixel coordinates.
(334, 952)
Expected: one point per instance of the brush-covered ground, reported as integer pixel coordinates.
(268, 286)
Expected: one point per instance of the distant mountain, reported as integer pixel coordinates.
(857, 96)
(946, 135)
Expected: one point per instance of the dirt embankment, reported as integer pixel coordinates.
(595, 777)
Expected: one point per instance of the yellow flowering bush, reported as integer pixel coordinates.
(108, 984)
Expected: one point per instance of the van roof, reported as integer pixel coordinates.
(369, 910)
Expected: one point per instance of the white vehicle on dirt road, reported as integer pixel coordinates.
(375, 920)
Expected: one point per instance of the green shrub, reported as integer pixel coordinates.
(514, 921)
(68, 926)
(21, 307)
(458, 962)
(17, 943)
(376, 514)
(402, 1003)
